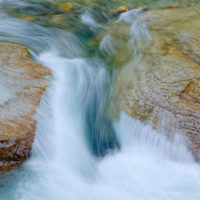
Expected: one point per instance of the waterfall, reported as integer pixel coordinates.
(63, 167)
(79, 152)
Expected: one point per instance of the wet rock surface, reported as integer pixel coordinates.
(21, 85)
(163, 88)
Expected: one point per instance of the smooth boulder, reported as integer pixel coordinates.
(22, 84)
(163, 86)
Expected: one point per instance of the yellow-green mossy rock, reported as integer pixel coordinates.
(65, 6)
(119, 10)
(28, 18)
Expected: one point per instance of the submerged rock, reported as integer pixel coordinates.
(163, 86)
(21, 85)
(28, 18)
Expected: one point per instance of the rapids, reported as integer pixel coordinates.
(79, 152)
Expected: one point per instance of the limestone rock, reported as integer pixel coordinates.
(163, 88)
(21, 86)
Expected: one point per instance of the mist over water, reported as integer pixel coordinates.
(79, 152)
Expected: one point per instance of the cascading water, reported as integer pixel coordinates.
(79, 153)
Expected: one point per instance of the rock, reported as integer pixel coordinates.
(65, 6)
(22, 85)
(120, 10)
(142, 8)
(171, 6)
(163, 88)
(28, 18)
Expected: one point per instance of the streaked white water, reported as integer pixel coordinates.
(63, 166)
(148, 166)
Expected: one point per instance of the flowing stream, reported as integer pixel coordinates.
(79, 152)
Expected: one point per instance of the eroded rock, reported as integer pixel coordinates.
(21, 86)
(163, 88)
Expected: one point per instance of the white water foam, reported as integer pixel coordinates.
(148, 166)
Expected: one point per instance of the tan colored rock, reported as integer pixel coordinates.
(164, 87)
(120, 10)
(171, 6)
(21, 86)
(142, 8)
